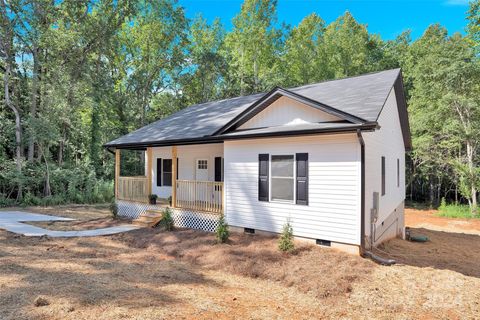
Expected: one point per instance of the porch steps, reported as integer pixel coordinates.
(149, 219)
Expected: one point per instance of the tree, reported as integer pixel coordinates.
(7, 52)
(206, 80)
(349, 47)
(305, 59)
(155, 41)
(444, 109)
(252, 47)
(473, 26)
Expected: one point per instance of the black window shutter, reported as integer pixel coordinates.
(263, 177)
(177, 168)
(302, 178)
(218, 168)
(398, 172)
(159, 172)
(383, 176)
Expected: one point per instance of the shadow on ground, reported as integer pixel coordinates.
(84, 273)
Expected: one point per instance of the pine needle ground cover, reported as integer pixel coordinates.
(152, 274)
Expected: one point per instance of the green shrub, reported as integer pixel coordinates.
(285, 243)
(6, 202)
(222, 230)
(114, 209)
(455, 211)
(167, 220)
(31, 200)
(443, 204)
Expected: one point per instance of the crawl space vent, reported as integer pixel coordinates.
(324, 242)
(248, 230)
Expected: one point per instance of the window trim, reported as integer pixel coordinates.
(197, 162)
(293, 201)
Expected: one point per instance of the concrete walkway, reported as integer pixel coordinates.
(13, 221)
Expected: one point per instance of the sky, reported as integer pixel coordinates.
(385, 17)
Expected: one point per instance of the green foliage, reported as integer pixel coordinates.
(251, 47)
(285, 242)
(88, 72)
(473, 26)
(455, 211)
(222, 232)
(443, 204)
(167, 220)
(68, 185)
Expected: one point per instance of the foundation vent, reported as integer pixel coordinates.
(249, 231)
(322, 242)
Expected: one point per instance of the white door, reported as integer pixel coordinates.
(201, 171)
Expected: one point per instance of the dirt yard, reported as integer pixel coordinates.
(152, 274)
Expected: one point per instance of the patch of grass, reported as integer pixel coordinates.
(456, 211)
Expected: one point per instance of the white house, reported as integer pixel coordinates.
(327, 157)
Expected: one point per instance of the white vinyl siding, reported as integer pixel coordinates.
(333, 211)
(386, 142)
(287, 111)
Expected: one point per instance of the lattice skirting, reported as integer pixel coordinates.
(182, 218)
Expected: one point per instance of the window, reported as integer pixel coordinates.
(383, 176)
(282, 177)
(167, 172)
(398, 172)
(202, 164)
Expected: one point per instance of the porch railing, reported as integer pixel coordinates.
(132, 189)
(200, 195)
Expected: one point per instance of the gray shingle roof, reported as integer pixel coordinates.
(362, 96)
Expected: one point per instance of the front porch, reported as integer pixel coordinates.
(172, 174)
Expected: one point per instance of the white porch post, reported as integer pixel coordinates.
(174, 176)
(149, 171)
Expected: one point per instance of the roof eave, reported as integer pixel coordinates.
(369, 126)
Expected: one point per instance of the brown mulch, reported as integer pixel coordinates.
(320, 271)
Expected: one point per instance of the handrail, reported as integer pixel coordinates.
(132, 188)
(200, 195)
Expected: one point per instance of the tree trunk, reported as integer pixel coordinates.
(7, 45)
(61, 145)
(472, 180)
(431, 195)
(47, 191)
(33, 106)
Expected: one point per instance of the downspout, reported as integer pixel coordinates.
(362, 192)
(363, 251)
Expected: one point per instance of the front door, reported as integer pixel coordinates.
(201, 171)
